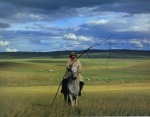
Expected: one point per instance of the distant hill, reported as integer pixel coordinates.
(92, 53)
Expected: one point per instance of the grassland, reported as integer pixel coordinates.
(117, 87)
(102, 100)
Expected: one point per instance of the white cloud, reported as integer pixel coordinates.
(28, 16)
(83, 38)
(74, 37)
(115, 48)
(146, 41)
(138, 23)
(123, 22)
(136, 42)
(11, 50)
(4, 43)
(97, 22)
(70, 36)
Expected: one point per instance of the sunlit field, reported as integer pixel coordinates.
(114, 87)
(98, 100)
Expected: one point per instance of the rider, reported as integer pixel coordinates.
(72, 62)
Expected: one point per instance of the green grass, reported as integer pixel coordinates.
(36, 71)
(119, 87)
(97, 100)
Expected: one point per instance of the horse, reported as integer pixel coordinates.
(72, 89)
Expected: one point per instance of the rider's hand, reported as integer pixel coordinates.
(69, 67)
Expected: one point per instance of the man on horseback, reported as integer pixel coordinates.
(72, 62)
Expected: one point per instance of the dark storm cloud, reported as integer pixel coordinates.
(4, 25)
(46, 6)
(37, 10)
(7, 9)
(128, 6)
(10, 34)
(134, 6)
(56, 4)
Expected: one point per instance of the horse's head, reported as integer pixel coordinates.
(74, 71)
(73, 84)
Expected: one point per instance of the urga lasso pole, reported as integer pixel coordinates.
(85, 51)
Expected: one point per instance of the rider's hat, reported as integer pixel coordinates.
(73, 54)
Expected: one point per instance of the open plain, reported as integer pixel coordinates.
(114, 87)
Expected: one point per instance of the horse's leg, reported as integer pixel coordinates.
(76, 100)
(65, 97)
(71, 99)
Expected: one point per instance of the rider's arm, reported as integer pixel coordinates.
(80, 66)
(68, 67)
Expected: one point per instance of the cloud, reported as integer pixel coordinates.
(146, 41)
(56, 4)
(28, 10)
(136, 23)
(4, 43)
(11, 50)
(74, 37)
(119, 26)
(28, 16)
(97, 22)
(136, 42)
(133, 6)
(1, 37)
(4, 25)
(38, 22)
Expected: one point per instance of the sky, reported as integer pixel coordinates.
(57, 25)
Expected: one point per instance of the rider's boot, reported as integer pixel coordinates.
(81, 87)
